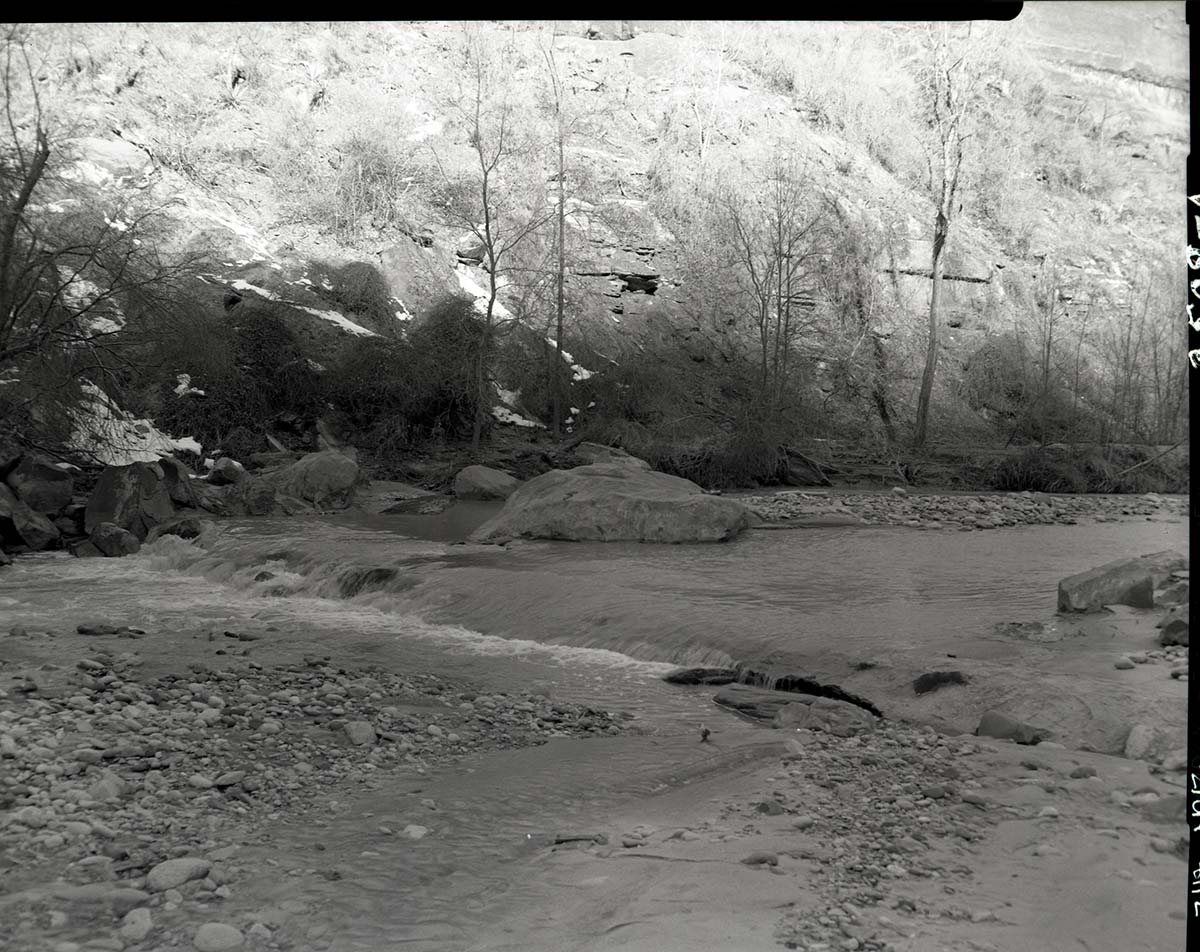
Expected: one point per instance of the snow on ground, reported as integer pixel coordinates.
(335, 318)
(578, 373)
(240, 285)
(509, 398)
(115, 438)
(505, 415)
(86, 170)
(244, 231)
(471, 286)
(185, 388)
(79, 293)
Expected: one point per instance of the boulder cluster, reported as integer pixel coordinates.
(136, 503)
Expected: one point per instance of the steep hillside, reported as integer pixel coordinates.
(283, 153)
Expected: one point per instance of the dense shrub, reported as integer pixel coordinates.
(359, 290)
(400, 393)
(1061, 469)
(254, 375)
(527, 364)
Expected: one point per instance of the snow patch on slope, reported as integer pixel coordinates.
(116, 438)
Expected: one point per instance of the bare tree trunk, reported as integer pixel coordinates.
(931, 351)
(879, 391)
(562, 267)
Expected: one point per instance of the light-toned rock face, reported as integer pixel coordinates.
(483, 482)
(614, 502)
(323, 480)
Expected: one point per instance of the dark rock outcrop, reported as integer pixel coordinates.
(180, 484)
(135, 497)
(42, 486)
(22, 526)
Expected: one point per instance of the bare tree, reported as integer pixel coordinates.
(949, 81)
(81, 287)
(487, 199)
(775, 241)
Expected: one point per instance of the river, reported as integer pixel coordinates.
(600, 623)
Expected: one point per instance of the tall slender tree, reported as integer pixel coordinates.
(493, 198)
(949, 79)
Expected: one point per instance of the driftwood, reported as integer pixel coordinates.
(816, 468)
(1145, 462)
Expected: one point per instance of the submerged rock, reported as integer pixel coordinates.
(185, 526)
(420, 506)
(938, 679)
(113, 541)
(483, 482)
(695, 676)
(611, 502)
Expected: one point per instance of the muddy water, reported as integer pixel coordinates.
(591, 623)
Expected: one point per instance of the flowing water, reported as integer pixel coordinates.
(594, 623)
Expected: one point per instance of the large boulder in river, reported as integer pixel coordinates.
(1124, 582)
(483, 482)
(613, 502)
(135, 497)
(42, 486)
(324, 480)
(22, 526)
